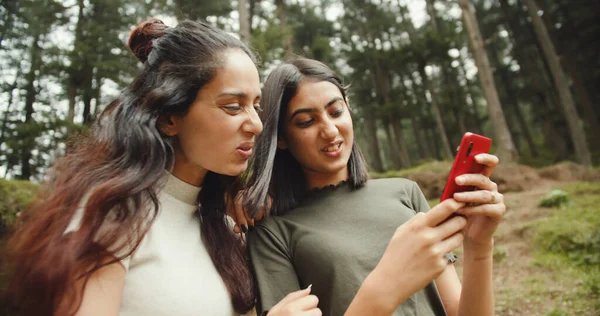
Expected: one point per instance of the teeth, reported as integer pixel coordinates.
(332, 148)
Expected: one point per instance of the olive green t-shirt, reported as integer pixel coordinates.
(333, 240)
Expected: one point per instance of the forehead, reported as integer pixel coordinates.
(313, 93)
(237, 72)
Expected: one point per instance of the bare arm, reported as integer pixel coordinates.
(477, 297)
(415, 256)
(449, 288)
(102, 293)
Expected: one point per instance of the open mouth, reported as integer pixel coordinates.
(332, 147)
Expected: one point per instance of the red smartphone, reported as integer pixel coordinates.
(470, 146)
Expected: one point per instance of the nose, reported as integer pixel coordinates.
(328, 129)
(253, 124)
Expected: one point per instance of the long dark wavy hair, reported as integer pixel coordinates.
(115, 173)
(275, 172)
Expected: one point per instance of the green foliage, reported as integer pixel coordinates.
(500, 253)
(431, 166)
(571, 236)
(15, 196)
(554, 199)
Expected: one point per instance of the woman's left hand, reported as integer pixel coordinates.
(485, 206)
(241, 217)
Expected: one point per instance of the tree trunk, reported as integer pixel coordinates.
(581, 92)
(401, 144)
(179, 15)
(74, 80)
(87, 93)
(372, 141)
(474, 123)
(287, 32)
(244, 17)
(566, 99)
(394, 150)
(422, 145)
(513, 103)
(28, 139)
(505, 146)
(9, 103)
(97, 95)
(447, 151)
(432, 16)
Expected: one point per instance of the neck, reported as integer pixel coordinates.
(188, 172)
(319, 179)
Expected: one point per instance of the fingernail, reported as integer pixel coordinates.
(460, 180)
(244, 228)
(308, 287)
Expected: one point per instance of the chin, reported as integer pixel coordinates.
(334, 168)
(234, 170)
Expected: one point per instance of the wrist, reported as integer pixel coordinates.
(479, 250)
(374, 297)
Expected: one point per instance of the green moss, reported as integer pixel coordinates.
(15, 196)
(569, 240)
(435, 166)
(556, 198)
(500, 253)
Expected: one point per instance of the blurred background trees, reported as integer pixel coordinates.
(524, 72)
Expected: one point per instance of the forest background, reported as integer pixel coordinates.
(422, 73)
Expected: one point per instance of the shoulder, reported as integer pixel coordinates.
(391, 181)
(392, 186)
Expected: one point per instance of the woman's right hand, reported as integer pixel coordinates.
(415, 256)
(297, 303)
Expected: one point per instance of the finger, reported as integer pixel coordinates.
(294, 296)
(241, 217)
(479, 197)
(495, 212)
(489, 161)
(450, 227)
(440, 212)
(304, 303)
(476, 180)
(452, 242)
(314, 312)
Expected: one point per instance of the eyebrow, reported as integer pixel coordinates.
(236, 94)
(310, 110)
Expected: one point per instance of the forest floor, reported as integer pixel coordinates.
(525, 282)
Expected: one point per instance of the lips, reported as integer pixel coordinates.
(245, 149)
(333, 149)
(333, 146)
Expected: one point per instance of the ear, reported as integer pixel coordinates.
(281, 144)
(167, 125)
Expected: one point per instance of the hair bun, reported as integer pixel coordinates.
(140, 39)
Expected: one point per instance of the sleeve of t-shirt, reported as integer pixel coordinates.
(272, 266)
(418, 199)
(420, 204)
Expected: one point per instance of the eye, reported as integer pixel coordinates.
(337, 113)
(232, 108)
(304, 124)
(258, 108)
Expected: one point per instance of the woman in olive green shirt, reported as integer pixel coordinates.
(367, 247)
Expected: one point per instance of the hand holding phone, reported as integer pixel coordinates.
(470, 146)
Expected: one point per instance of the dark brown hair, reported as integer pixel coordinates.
(276, 172)
(114, 174)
